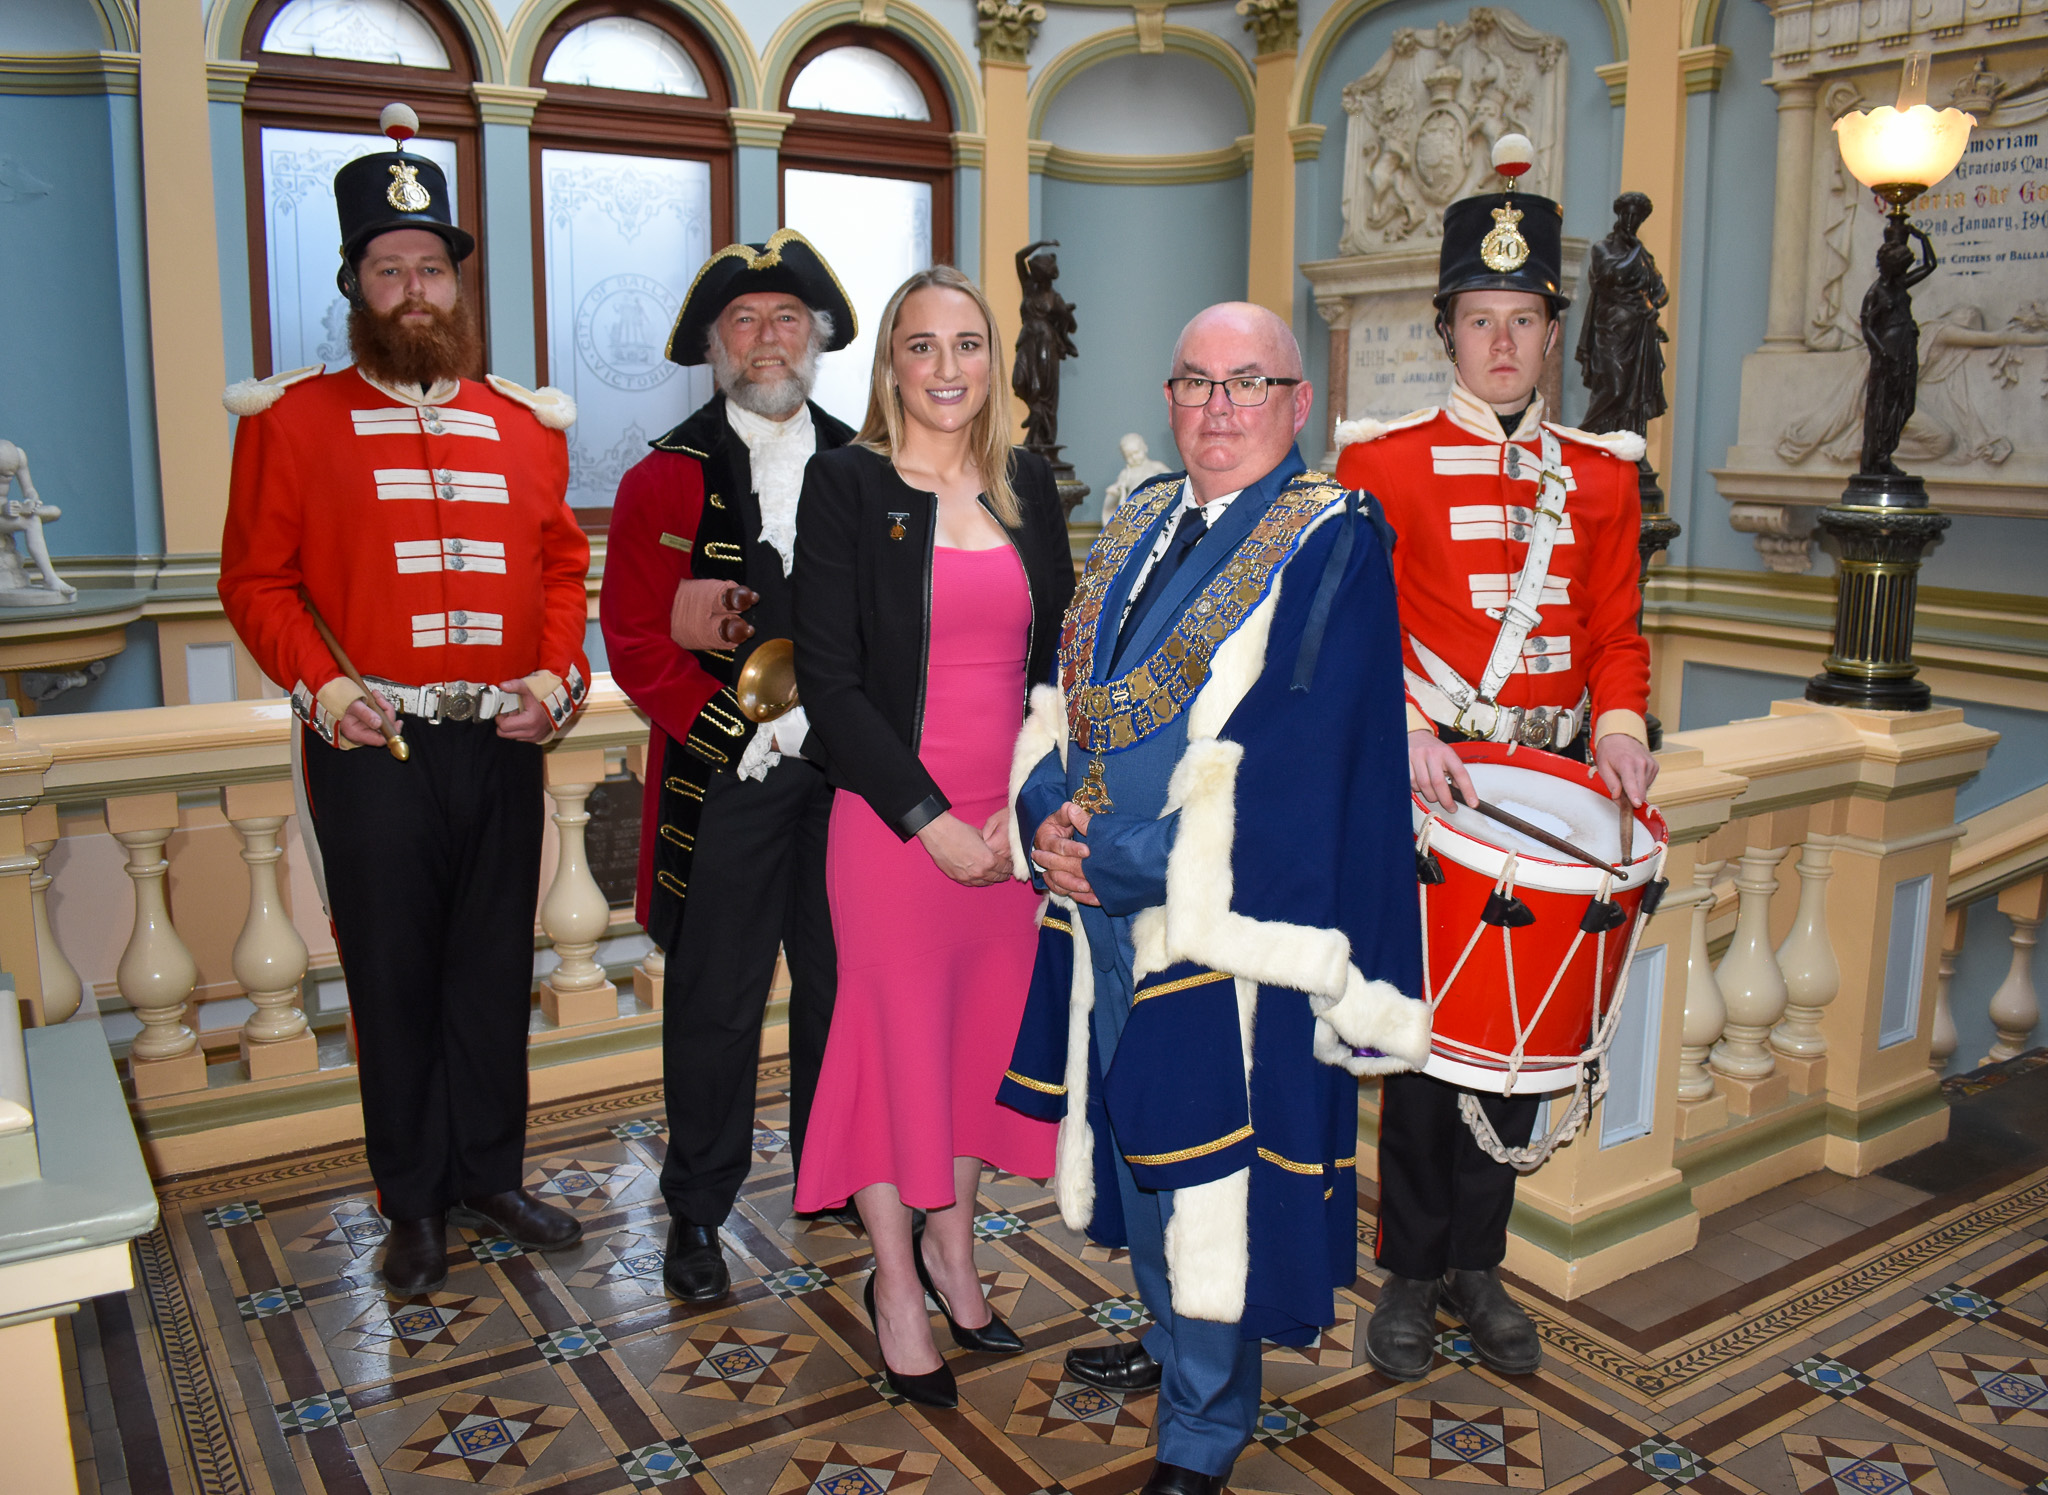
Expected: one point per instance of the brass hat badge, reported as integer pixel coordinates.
(1503, 249)
(407, 195)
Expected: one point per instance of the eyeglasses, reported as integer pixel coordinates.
(1244, 390)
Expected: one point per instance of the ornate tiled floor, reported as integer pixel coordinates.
(1899, 1345)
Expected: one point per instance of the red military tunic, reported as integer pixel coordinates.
(430, 532)
(1462, 526)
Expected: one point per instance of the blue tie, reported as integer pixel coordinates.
(1193, 524)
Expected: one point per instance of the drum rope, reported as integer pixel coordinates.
(1522, 1035)
(1584, 1096)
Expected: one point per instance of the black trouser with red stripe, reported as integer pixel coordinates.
(433, 872)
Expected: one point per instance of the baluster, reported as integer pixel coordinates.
(1753, 988)
(2016, 1006)
(649, 978)
(1942, 1040)
(1699, 1109)
(1806, 960)
(156, 974)
(62, 990)
(575, 914)
(270, 958)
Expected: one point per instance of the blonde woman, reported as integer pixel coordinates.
(931, 576)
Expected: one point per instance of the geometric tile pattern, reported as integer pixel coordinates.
(637, 1128)
(572, 1343)
(1333, 1347)
(1848, 1466)
(1829, 1376)
(1996, 1389)
(269, 1303)
(353, 1225)
(579, 1186)
(626, 1260)
(1123, 1312)
(729, 1362)
(306, 1414)
(1671, 1464)
(428, 1328)
(1468, 1443)
(1962, 1302)
(481, 1439)
(1052, 1406)
(822, 1468)
(997, 1224)
(1456, 1346)
(660, 1463)
(1281, 1422)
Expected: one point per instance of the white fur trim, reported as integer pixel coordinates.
(1073, 1177)
(1366, 428)
(1626, 445)
(550, 406)
(247, 397)
(1044, 731)
(1371, 1015)
(1208, 1248)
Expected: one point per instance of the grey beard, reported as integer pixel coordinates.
(777, 401)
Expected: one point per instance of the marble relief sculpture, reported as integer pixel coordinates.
(25, 516)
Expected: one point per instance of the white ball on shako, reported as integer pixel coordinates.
(401, 123)
(1513, 155)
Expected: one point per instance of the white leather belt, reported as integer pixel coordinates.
(446, 701)
(1551, 727)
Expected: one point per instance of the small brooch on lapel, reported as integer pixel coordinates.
(896, 529)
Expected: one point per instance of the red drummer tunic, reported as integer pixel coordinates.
(1462, 523)
(432, 534)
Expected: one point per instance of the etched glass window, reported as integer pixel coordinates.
(308, 314)
(386, 31)
(623, 237)
(620, 52)
(874, 232)
(858, 80)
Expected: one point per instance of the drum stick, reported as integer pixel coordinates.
(1628, 827)
(1538, 833)
(393, 741)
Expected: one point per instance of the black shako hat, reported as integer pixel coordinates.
(1503, 241)
(786, 263)
(394, 189)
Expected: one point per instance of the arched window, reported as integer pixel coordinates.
(632, 172)
(324, 69)
(867, 176)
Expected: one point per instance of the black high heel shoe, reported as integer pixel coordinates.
(932, 1389)
(993, 1338)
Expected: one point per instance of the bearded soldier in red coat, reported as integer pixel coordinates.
(1517, 627)
(420, 514)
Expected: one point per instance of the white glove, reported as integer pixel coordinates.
(785, 734)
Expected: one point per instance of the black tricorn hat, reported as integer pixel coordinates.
(1503, 241)
(394, 189)
(786, 263)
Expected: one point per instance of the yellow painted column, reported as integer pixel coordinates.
(193, 449)
(1277, 27)
(1006, 30)
(1653, 160)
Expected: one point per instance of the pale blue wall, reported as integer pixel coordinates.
(508, 243)
(75, 386)
(133, 679)
(231, 239)
(967, 219)
(1134, 105)
(1981, 965)
(757, 190)
(1981, 553)
(1590, 147)
(1137, 262)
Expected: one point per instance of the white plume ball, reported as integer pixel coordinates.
(400, 117)
(1513, 150)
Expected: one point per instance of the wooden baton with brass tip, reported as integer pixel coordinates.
(394, 742)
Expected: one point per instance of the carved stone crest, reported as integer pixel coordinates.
(1423, 119)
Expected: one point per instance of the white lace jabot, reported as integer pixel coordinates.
(778, 449)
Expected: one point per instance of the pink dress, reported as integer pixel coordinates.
(932, 975)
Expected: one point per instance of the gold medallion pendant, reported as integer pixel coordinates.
(405, 192)
(1504, 248)
(1093, 795)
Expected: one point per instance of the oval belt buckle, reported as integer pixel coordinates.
(458, 704)
(1537, 729)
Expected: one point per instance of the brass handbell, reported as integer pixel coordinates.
(767, 683)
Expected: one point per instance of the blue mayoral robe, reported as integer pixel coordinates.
(1254, 860)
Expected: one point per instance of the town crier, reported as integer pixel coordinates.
(1516, 571)
(401, 525)
(732, 842)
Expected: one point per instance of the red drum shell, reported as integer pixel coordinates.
(1473, 1030)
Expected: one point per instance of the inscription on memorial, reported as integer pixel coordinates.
(611, 841)
(1397, 359)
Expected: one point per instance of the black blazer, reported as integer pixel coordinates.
(863, 593)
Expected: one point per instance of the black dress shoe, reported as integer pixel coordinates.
(1499, 1326)
(694, 1264)
(1171, 1479)
(935, 1388)
(1116, 1367)
(1400, 1340)
(993, 1338)
(416, 1255)
(520, 1218)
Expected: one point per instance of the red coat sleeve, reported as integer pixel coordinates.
(259, 563)
(1618, 656)
(564, 567)
(661, 494)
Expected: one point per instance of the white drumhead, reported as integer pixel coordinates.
(1578, 812)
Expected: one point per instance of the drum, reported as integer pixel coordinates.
(1525, 947)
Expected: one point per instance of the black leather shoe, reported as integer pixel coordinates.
(935, 1388)
(694, 1264)
(1171, 1479)
(519, 1217)
(416, 1255)
(1400, 1339)
(1499, 1326)
(1116, 1367)
(993, 1338)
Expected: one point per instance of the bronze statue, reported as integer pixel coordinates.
(1893, 338)
(1618, 349)
(1045, 336)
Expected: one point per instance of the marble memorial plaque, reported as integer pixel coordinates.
(611, 842)
(1397, 359)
